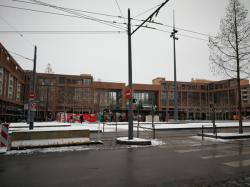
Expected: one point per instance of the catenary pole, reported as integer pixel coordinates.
(130, 82)
(175, 76)
(32, 113)
(130, 112)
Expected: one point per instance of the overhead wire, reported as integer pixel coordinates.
(54, 13)
(85, 11)
(26, 58)
(112, 22)
(153, 28)
(144, 12)
(16, 31)
(78, 14)
(134, 18)
(62, 32)
(120, 11)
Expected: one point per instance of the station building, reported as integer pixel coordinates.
(81, 94)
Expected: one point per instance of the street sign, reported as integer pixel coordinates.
(26, 106)
(33, 106)
(32, 95)
(128, 93)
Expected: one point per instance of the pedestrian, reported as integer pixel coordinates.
(81, 118)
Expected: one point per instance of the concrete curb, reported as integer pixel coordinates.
(224, 137)
(190, 128)
(136, 141)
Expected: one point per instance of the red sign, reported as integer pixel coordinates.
(32, 95)
(128, 93)
(33, 105)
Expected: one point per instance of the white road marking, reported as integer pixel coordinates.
(238, 163)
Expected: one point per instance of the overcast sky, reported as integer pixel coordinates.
(105, 56)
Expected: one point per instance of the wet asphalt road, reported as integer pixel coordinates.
(181, 161)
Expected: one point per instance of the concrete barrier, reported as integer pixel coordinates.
(33, 139)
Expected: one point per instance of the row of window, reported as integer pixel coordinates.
(11, 85)
(62, 80)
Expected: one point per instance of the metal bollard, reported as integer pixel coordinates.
(215, 132)
(202, 130)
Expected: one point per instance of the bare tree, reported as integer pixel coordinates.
(48, 69)
(230, 49)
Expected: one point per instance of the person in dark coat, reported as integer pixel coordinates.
(81, 118)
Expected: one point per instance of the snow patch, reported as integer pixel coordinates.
(3, 150)
(156, 142)
(132, 140)
(210, 139)
(61, 141)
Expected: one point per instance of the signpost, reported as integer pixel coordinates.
(32, 95)
(33, 106)
(128, 94)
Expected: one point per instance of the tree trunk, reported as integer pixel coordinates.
(238, 72)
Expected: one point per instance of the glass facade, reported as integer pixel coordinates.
(146, 98)
(107, 98)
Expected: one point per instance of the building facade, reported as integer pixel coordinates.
(81, 94)
(12, 83)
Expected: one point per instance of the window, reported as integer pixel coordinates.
(18, 91)
(1, 81)
(10, 87)
(86, 81)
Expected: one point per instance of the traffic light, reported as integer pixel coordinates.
(134, 100)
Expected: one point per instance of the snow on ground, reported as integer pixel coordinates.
(50, 150)
(59, 141)
(155, 142)
(121, 126)
(132, 140)
(3, 149)
(210, 139)
(229, 134)
(39, 124)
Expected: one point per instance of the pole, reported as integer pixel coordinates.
(33, 89)
(213, 120)
(47, 102)
(130, 112)
(175, 84)
(166, 104)
(29, 102)
(138, 118)
(153, 125)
